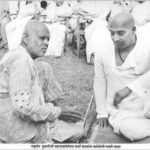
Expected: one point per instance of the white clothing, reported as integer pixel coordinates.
(4, 6)
(30, 9)
(141, 13)
(57, 29)
(15, 28)
(97, 36)
(14, 31)
(134, 73)
(57, 39)
(53, 11)
(96, 8)
(13, 7)
(101, 8)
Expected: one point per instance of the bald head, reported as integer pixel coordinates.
(122, 30)
(34, 26)
(121, 20)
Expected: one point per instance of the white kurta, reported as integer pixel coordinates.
(134, 73)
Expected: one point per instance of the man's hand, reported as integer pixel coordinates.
(120, 95)
(102, 122)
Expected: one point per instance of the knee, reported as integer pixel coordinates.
(135, 128)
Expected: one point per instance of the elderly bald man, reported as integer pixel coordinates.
(121, 84)
(27, 89)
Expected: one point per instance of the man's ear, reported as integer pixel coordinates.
(134, 28)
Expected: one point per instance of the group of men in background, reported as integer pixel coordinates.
(56, 12)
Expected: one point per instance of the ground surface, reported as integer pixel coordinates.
(75, 77)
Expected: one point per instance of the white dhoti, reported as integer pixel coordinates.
(129, 118)
(57, 39)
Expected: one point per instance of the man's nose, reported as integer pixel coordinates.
(46, 41)
(116, 38)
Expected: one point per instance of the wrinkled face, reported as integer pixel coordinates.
(37, 42)
(122, 37)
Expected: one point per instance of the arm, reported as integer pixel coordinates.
(140, 85)
(25, 98)
(100, 88)
(51, 89)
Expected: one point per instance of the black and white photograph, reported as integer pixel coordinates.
(75, 74)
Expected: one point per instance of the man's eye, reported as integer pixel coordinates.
(42, 38)
(112, 33)
(121, 33)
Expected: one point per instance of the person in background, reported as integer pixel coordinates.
(14, 29)
(57, 12)
(141, 13)
(14, 8)
(4, 20)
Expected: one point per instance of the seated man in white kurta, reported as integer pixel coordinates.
(57, 11)
(121, 85)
